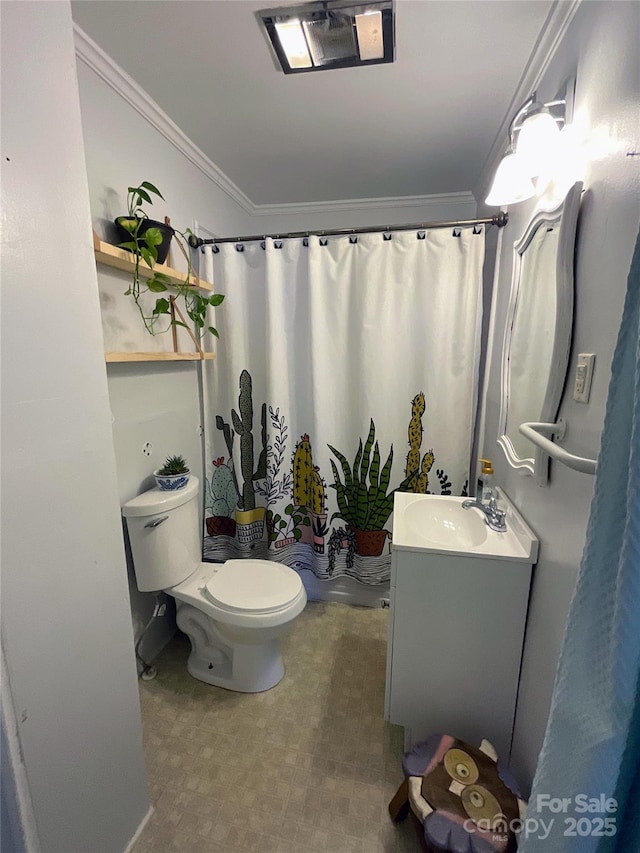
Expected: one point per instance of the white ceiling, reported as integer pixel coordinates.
(422, 125)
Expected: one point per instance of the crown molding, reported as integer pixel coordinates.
(463, 199)
(104, 66)
(126, 87)
(550, 37)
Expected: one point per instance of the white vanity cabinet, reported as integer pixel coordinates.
(458, 606)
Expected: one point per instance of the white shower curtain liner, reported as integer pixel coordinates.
(328, 345)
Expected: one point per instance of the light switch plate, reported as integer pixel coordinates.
(583, 377)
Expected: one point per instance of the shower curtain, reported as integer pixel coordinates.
(587, 785)
(346, 369)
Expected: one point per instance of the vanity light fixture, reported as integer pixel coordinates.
(331, 34)
(534, 138)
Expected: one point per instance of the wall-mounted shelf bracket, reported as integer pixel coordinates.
(541, 435)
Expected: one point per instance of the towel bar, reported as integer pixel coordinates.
(535, 433)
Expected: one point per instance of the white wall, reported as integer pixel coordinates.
(600, 48)
(361, 214)
(66, 627)
(157, 402)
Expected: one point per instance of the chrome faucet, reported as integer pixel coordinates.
(494, 517)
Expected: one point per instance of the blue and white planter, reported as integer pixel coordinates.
(171, 482)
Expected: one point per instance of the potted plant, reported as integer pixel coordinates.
(249, 517)
(320, 530)
(306, 482)
(318, 514)
(174, 474)
(363, 501)
(222, 497)
(339, 539)
(149, 241)
(285, 530)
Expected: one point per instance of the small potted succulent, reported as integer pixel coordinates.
(173, 475)
(149, 240)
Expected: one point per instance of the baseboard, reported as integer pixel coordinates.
(139, 830)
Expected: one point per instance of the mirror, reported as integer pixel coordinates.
(537, 336)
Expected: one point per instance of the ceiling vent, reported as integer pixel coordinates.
(331, 34)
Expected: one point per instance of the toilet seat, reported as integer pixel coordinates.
(212, 588)
(252, 586)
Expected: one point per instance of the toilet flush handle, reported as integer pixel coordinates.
(156, 521)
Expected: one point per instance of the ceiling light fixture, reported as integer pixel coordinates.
(331, 34)
(534, 139)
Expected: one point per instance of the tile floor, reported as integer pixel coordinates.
(307, 766)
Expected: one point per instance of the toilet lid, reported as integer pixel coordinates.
(253, 585)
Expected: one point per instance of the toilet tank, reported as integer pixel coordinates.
(165, 535)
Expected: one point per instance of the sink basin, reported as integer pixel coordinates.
(439, 524)
(444, 522)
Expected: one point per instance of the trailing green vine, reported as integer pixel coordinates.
(144, 244)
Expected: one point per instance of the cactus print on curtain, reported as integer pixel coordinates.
(344, 372)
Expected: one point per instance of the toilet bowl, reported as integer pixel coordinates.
(234, 613)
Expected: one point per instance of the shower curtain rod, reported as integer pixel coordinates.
(500, 220)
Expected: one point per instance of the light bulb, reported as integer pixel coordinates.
(293, 43)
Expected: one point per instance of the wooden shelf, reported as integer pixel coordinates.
(120, 357)
(112, 256)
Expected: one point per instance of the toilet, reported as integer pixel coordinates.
(234, 613)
